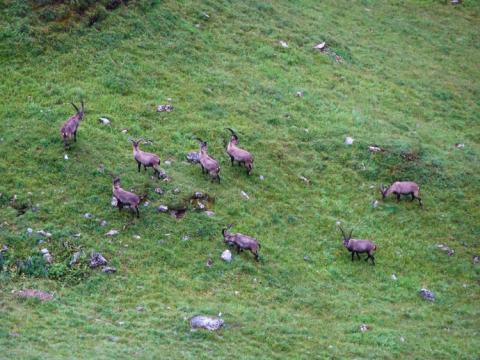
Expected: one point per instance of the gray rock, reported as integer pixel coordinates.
(209, 213)
(176, 191)
(29, 231)
(427, 294)
(193, 157)
(114, 201)
(44, 233)
(198, 195)
(103, 223)
(226, 256)
(4, 249)
(112, 232)
(44, 251)
(97, 259)
(162, 208)
(48, 258)
(168, 162)
(364, 328)
(206, 322)
(88, 216)
(140, 308)
(349, 140)
(146, 203)
(75, 258)
(164, 108)
(104, 121)
(245, 195)
(476, 259)
(159, 191)
(108, 269)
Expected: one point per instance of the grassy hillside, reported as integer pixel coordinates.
(407, 78)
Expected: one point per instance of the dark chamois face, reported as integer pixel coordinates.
(346, 238)
(116, 183)
(234, 139)
(383, 191)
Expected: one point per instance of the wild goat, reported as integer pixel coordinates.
(209, 165)
(144, 158)
(238, 154)
(356, 246)
(125, 197)
(240, 241)
(402, 188)
(70, 127)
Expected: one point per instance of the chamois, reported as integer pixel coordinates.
(144, 158)
(209, 165)
(402, 188)
(239, 155)
(70, 127)
(241, 242)
(356, 246)
(125, 197)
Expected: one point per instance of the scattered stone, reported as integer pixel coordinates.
(36, 208)
(226, 256)
(146, 203)
(209, 213)
(283, 44)
(137, 237)
(261, 177)
(185, 238)
(306, 258)
(394, 277)
(32, 293)
(101, 168)
(198, 195)
(14, 334)
(159, 191)
(124, 131)
(375, 203)
(206, 322)
(104, 121)
(77, 235)
(65, 157)
(178, 213)
(164, 108)
(75, 258)
(109, 270)
(193, 157)
(349, 140)
(47, 256)
(4, 249)
(103, 223)
(476, 259)
(168, 162)
(162, 208)
(176, 191)
(97, 259)
(29, 231)
(402, 339)
(209, 263)
(112, 232)
(322, 46)
(245, 195)
(364, 328)
(163, 175)
(88, 216)
(456, 2)
(375, 148)
(44, 233)
(113, 338)
(427, 294)
(459, 146)
(299, 94)
(140, 308)
(445, 248)
(114, 201)
(304, 179)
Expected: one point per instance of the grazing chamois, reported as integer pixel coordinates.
(209, 165)
(145, 158)
(239, 155)
(356, 246)
(402, 188)
(125, 197)
(70, 127)
(241, 242)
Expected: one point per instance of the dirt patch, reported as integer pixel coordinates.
(32, 293)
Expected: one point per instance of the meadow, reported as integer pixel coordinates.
(405, 77)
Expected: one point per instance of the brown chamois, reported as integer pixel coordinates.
(209, 165)
(402, 188)
(125, 197)
(241, 242)
(357, 246)
(144, 158)
(239, 155)
(70, 127)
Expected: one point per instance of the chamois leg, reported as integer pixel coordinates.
(232, 159)
(238, 249)
(75, 136)
(413, 196)
(249, 169)
(420, 201)
(256, 256)
(398, 196)
(120, 206)
(353, 254)
(144, 167)
(358, 256)
(137, 211)
(139, 165)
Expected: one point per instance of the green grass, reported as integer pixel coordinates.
(409, 81)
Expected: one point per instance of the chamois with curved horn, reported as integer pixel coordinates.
(402, 188)
(209, 165)
(357, 246)
(70, 127)
(145, 158)
(240, 241)
(238, 154)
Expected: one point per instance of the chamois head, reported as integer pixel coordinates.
(203, 144)
(116, 182)
(225, 229)
(383, 190)
(81, 111)
(233, 137)
(137, 142)
(346, 238)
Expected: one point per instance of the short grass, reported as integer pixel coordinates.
(409, 82)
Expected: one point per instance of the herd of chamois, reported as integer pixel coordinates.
(211, 167)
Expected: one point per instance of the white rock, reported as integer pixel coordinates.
(167, 162)
(349, 140)
(245, 195)
(209, 213)
(226, 256)
(44, 233)
(320, 46)
(185, 238)
(112, 232)
(283, 44)
(88, 216)
(65, 157)
(206, 322)
(124, 131)
(44, 251)
(299, 94)
(261, 177)
(364, 328)
(29, 231)
(459, 146)
(394, 277)
(137, 237)
(375, 203)
(114, 201)
(48, 258)
(104, 121)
